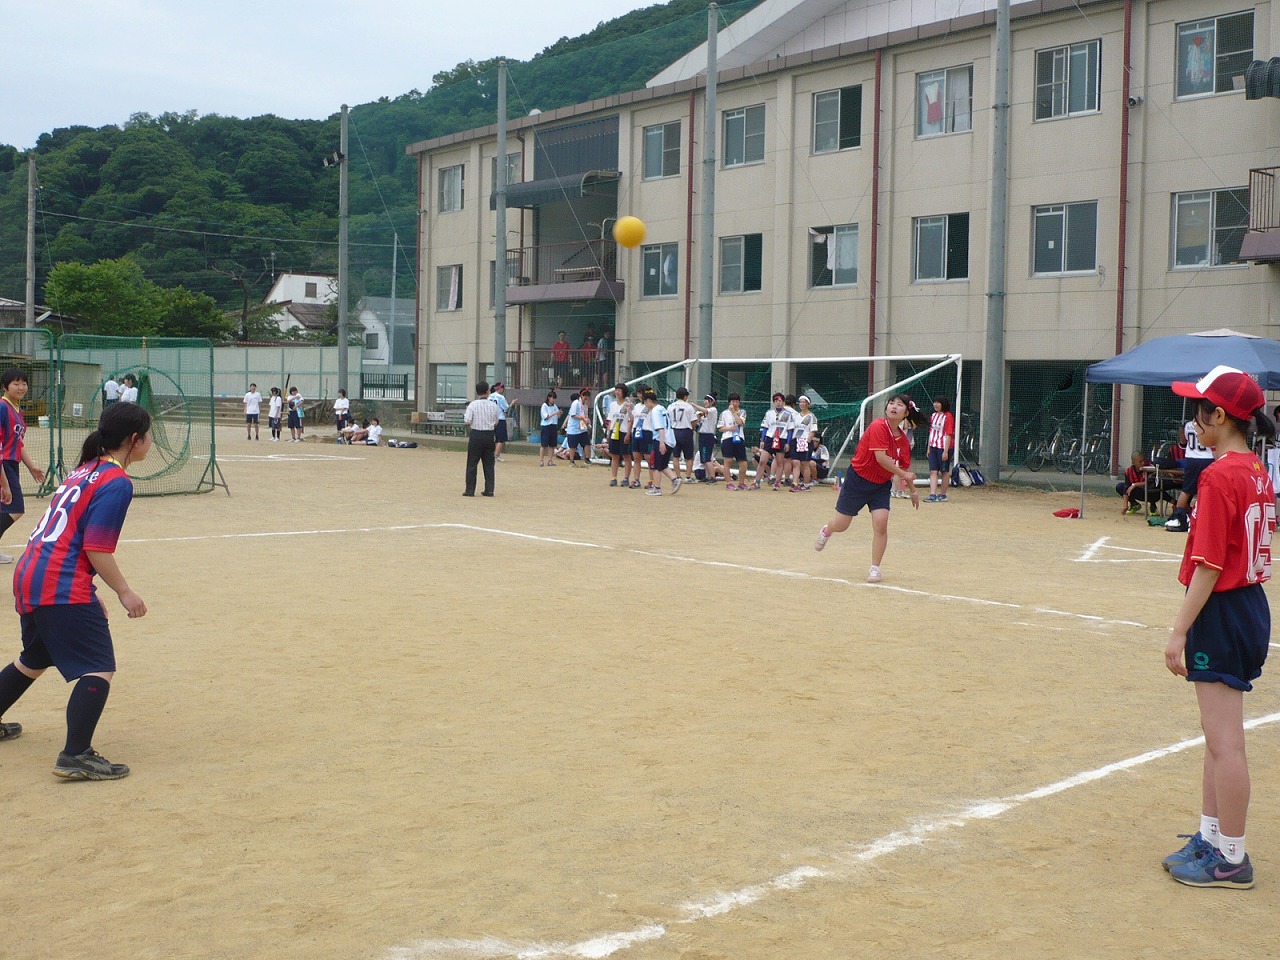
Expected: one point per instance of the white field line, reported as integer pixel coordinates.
(1091, 554)
(283, 457)
(724, 902)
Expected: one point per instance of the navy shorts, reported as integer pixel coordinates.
(251, 418)
(500, 432)
(938, 459)
(620, 446)
(823, 472)
(706, 446)
(642, 444)
(803, 456)
(550, 434)
(732, 449)
(857, 492)
(580, 440)
(73, 637)
(1229, 640)
(661, 460)
(17, 504)
(295, 421)
(274, 422)
(684, 444)
(1191, 474)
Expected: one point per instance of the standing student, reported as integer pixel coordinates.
(708, 422)
(63, 622)
(681, 413)
(129, 392)
(252, 410)
(560, 351)
(274, 407)
(774, 435)
(806, 425)
(341, 412)
(13, 432)
(295, 415)
(1222, 630)
(549, 431)
(578, 432)
(497, 393)
(1198, 456)
(641, 437)
(733, 443)
(664, 440)
(942, 433)
(482, 417)
(617, 430)
(110, 391)
(883, 454)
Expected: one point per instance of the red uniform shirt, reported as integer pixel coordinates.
(1232, 523)
(880, 436)
(86, 513)
(941, 425)
(12, 429)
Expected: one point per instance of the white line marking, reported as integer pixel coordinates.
(725, 902)
(282, 457)
(1091, 552)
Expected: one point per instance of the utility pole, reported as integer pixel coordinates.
(31, 241)
(500, 252)
(343, 218)
(391, 333)
(991, 452)
(706, 236)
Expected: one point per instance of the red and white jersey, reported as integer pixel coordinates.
(1232, 523)
(13, 428)
(941, 426)
(880, 436)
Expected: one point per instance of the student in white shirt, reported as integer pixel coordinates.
(579, 428)
(617, 434)
(806, 425)
(129, 392)
(110, 392)
(550, 428)
(252, 408)
(641, 438)
(682, 413)
(664, 439)
(733, 443)
(374, 436)
(341, 412)
(708, 422)
(274, 407)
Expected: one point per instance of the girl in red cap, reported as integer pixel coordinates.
(1222, 631)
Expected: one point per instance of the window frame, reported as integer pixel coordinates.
(515, 170)
(818, 270)
(947, 248)
(749, 247)
(449, 199)
(945, 77)
(1065, 54)
(443, 286)
(1214, 231)
(1212, 25)
(746, 138)
(667, 152)
(1048, 210)
(661, 251)
(843, 113)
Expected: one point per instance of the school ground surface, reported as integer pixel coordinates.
(368, 718)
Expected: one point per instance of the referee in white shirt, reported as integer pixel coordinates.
(482, 417)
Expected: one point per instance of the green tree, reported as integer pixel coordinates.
(110, 297)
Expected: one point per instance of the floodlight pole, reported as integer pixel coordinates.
(990, 453)
(500, 253)
(343, 219)
(706, 236)
(30, 317)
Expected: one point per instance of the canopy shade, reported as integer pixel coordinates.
(535, 193)
(1159, 362)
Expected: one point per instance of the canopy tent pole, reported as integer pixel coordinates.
(1084, 433)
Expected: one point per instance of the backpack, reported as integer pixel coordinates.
(960, 476)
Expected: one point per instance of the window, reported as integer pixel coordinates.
(1067, 80)
(450, 189)
(833, 256)
(662, 150)
(941, 247)
(515, 172)
(1208, 226)
(661, 269)
(449, 287)
(310, 291)
(744, 136)
(837, 119)
(371, 341)
(1066, 238)
(1213, 54)
(741, 263)
(944, 101)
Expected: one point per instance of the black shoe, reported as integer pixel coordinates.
(89, 765)
(486, 494)
(10, 731)
(468, 494)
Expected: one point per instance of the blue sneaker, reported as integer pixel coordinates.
(1197, 846)
(1214, 870)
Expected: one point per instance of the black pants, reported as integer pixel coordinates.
(480, 451)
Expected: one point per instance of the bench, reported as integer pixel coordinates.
(441, 423)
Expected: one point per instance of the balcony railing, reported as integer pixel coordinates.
(573, 262)
(539, 369)
(1262, 241)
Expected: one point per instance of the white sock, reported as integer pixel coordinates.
(1231, 848)
(1209, 829)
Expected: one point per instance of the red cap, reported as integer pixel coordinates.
(1233, 390)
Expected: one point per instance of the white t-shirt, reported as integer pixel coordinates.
(577, 410)
(374, 434)
(252, 403)
(617, 418)
(111, 390)
(129, 395)
(341, 406)
(730, 425)
(658, 422)
(681, 415)
(274, 406)
(709, 421)
(550, 414)
(1195, 449)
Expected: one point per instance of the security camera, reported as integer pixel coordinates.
(1134, 100)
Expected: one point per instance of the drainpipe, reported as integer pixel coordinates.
(688, 236)
(1123, 226)
(520, 309)
(418, 386)
(875, 227)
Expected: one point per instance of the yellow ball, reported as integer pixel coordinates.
(628, 231)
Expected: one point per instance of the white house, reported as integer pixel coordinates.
(303, 299)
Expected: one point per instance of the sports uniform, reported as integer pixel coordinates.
(707, 429)
(682, 426)
(13, 429)
(867, 484)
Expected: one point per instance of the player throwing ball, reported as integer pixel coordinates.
(64, 624)
(883, 452)
(1222, 630)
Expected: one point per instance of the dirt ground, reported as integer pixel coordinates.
(368, 718)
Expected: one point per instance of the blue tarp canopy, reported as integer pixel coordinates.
(1158, 363)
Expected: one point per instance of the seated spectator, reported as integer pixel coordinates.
(348, 432)
(373, 436)
(1138, 486)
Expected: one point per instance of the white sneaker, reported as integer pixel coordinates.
(873, 575)
(675, 486)
(653, 492)
(500, 460)
(5, 558)
(823, 537)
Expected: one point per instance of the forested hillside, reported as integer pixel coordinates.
(215, 204)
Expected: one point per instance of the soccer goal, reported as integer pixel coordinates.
(837, 388)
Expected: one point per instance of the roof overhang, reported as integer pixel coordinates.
(536, 193)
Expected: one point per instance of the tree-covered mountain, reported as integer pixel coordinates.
(217, 204)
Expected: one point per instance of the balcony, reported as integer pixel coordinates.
(580, 270)
(1261, 242)
(533, 372)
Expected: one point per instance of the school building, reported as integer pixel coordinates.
(853, 179)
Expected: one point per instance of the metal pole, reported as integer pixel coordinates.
(708, 232)
(343, 218)
(500, 252)
(391, 333)
(993, 356)
(31, 241)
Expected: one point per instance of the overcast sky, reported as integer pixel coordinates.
(95, 62)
